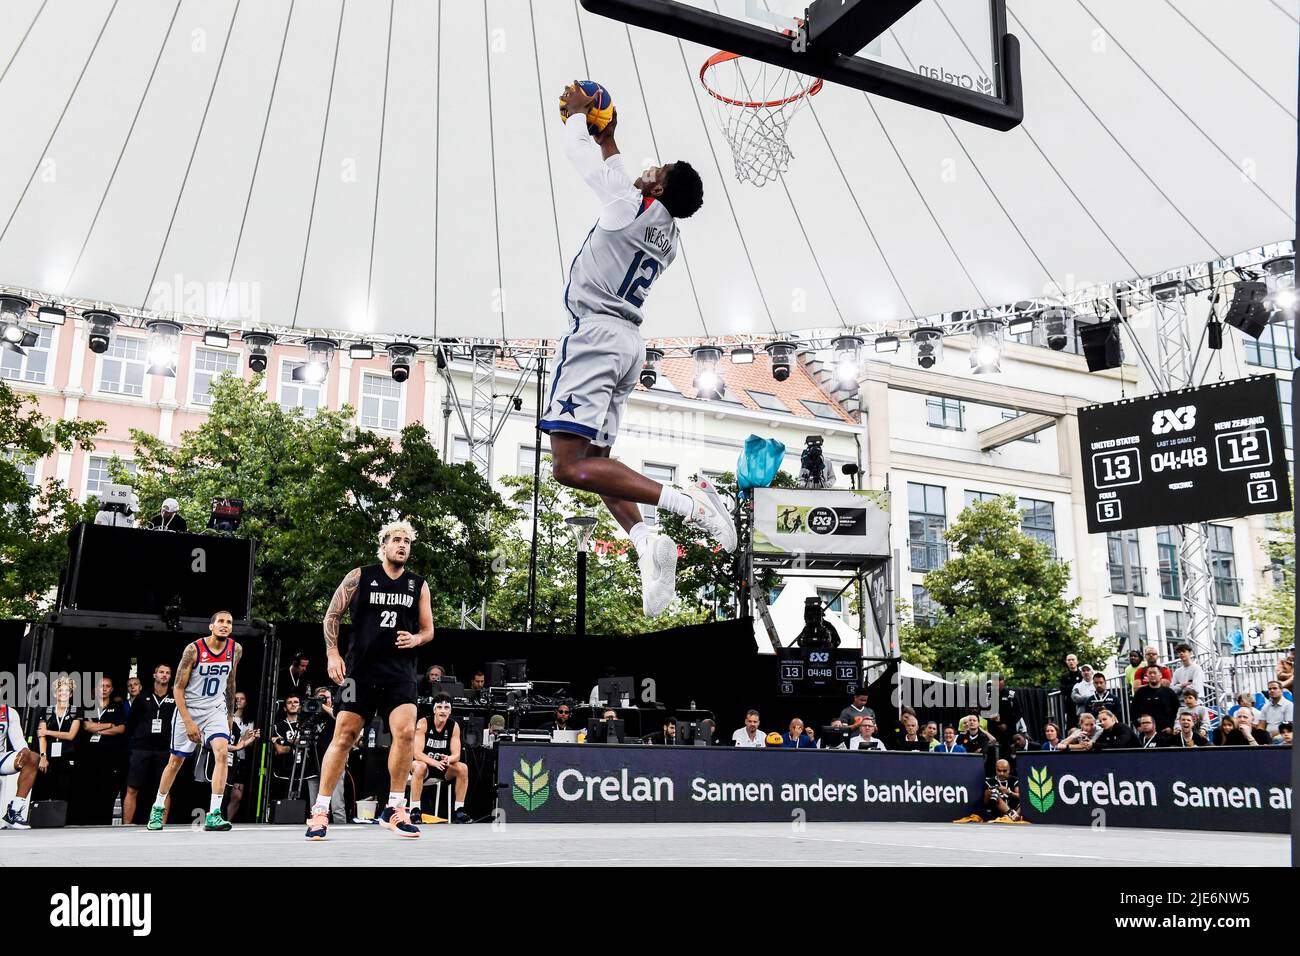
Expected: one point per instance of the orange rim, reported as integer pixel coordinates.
(722, 56)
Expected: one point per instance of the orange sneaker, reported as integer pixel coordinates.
(398, 819)
(317, 824)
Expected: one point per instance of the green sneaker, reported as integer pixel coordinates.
(156, 818)
(215, 821)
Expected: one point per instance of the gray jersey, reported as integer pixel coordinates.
(615, 268)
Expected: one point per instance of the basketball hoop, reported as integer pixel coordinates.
(754, 102)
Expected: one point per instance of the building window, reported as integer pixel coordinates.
(460, 450)
(29, 469)
(977, 496)
(944, 413)
(1274, 348)
(1171, 585)
(1223, 566)
(381, 402)
(924, 610)
(821, 409)
(1038, 521)
(1012, 416)
(926, 522)
(1133, 629)
(1229, 633)
(1284, 396)
(34, 367)
(525, 463)
(831, 600)
(304, 395)
(122, 367)
(664, 474)
(768, 401)
(209, 364)
(1116, 542)
(1175, 623)
(97, 475)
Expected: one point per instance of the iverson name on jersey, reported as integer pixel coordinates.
(654, 236)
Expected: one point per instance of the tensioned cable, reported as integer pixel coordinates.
(681, 240)
(59, 122)
(577, 15)
(203, 121)
(103, 197)
(19, 47)
(379, 165)
(1289, 15)
(1114, 139)
(492, 155)
(437, 161)
(546, 151)
(257, 161)
(722, 179)
(1240, 69)
(1172, 102)
(320, 158)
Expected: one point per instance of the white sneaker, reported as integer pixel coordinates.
(710, 514)
(658, 565)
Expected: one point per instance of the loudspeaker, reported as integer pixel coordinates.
(289, 812)
(1247, 310)
(47, 814)
(1101, 345)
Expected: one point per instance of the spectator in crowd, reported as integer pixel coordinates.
(149, 737)
(973, 738)
(1083, 736)
(169, 517)
(133, 689)
(709, 731)
(1226, 726)
(1187, 734)
(1192, 706)
(293, 680)
(931, 734)
(1246, 734)
(1001, 794)
(949, 743)
(1132, 679)
(750, 735)
(1284, 731)
(1148, 736)
(433, 675)
(563, 718)
(795, 737)
(910, 738)
(1006, 720)
(100, 747)
(1103, 698)
(667, 736)
(243, 738)
(1188, 674)
(477, 693)
(852, 715)
(1160, 702)
(1020, 743)
(1277, 709)
(1072, 676)
(866, 738)
(56, 736)
(1114, 735)
(1051, 736)
(810, 732)
(1153, 660)
(1082, 693)
(1285, 672)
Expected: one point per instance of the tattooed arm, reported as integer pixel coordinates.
(338, 604)
(188, 660)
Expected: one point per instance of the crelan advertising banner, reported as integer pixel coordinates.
(845, 523)
(576, 783)
(1202, 788)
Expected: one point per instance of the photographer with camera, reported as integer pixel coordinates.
(1002, 795)
(292, 739)
(324, 736)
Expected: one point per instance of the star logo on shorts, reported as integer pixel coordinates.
(567, 406)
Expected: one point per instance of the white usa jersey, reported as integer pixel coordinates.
(615, 268)
(206, 691)
(11, 732)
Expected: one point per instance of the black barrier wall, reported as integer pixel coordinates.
(1203, 788)
(573, 783)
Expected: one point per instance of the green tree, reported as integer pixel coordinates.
(1275, 604)
(1002, 605)
(613, 578)
(34, 522)
(316, 491)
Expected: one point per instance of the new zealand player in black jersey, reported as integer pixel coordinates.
(391, 617)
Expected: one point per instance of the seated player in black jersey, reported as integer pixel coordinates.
(391, 617)
(437, 741)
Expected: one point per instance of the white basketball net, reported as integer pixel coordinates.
(754, 102)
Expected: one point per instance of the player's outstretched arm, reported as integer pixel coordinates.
(333, 617)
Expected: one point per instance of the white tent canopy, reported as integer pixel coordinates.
(396, 167)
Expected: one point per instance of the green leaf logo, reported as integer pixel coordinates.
(1041, 790)
(532, 786)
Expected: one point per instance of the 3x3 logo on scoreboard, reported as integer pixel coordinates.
(1182, 457)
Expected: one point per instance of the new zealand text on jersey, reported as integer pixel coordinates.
(386, 598)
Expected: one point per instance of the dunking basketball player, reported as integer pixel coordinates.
(632, 242)
(391, 617)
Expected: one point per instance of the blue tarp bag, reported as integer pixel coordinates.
(758, 463)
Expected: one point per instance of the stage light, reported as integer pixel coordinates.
(742, 355)
(927, 346)
(13, 308)
(163, 347)
(102, 324)
(1057, 324)
(51, 315)
(1281, 281)
(217, 339)
(707, 381)
(650, 369)
(12, 333)
(847, 350)
(1247, 310)
(886, 343)
(1102, 348)
(259, 346)
(361, 351)
(1022, 323)
(782, 357)
(319, 352)
(400, 356)
(986, 353)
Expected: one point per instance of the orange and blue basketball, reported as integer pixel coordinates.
(601, 110)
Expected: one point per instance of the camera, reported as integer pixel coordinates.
(813, 471)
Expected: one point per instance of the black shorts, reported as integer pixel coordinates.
(371, 699)
(146, 769)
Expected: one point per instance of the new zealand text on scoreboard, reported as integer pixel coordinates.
(1182, 457)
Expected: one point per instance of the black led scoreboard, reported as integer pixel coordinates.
(1184, 457)
(820, 672)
